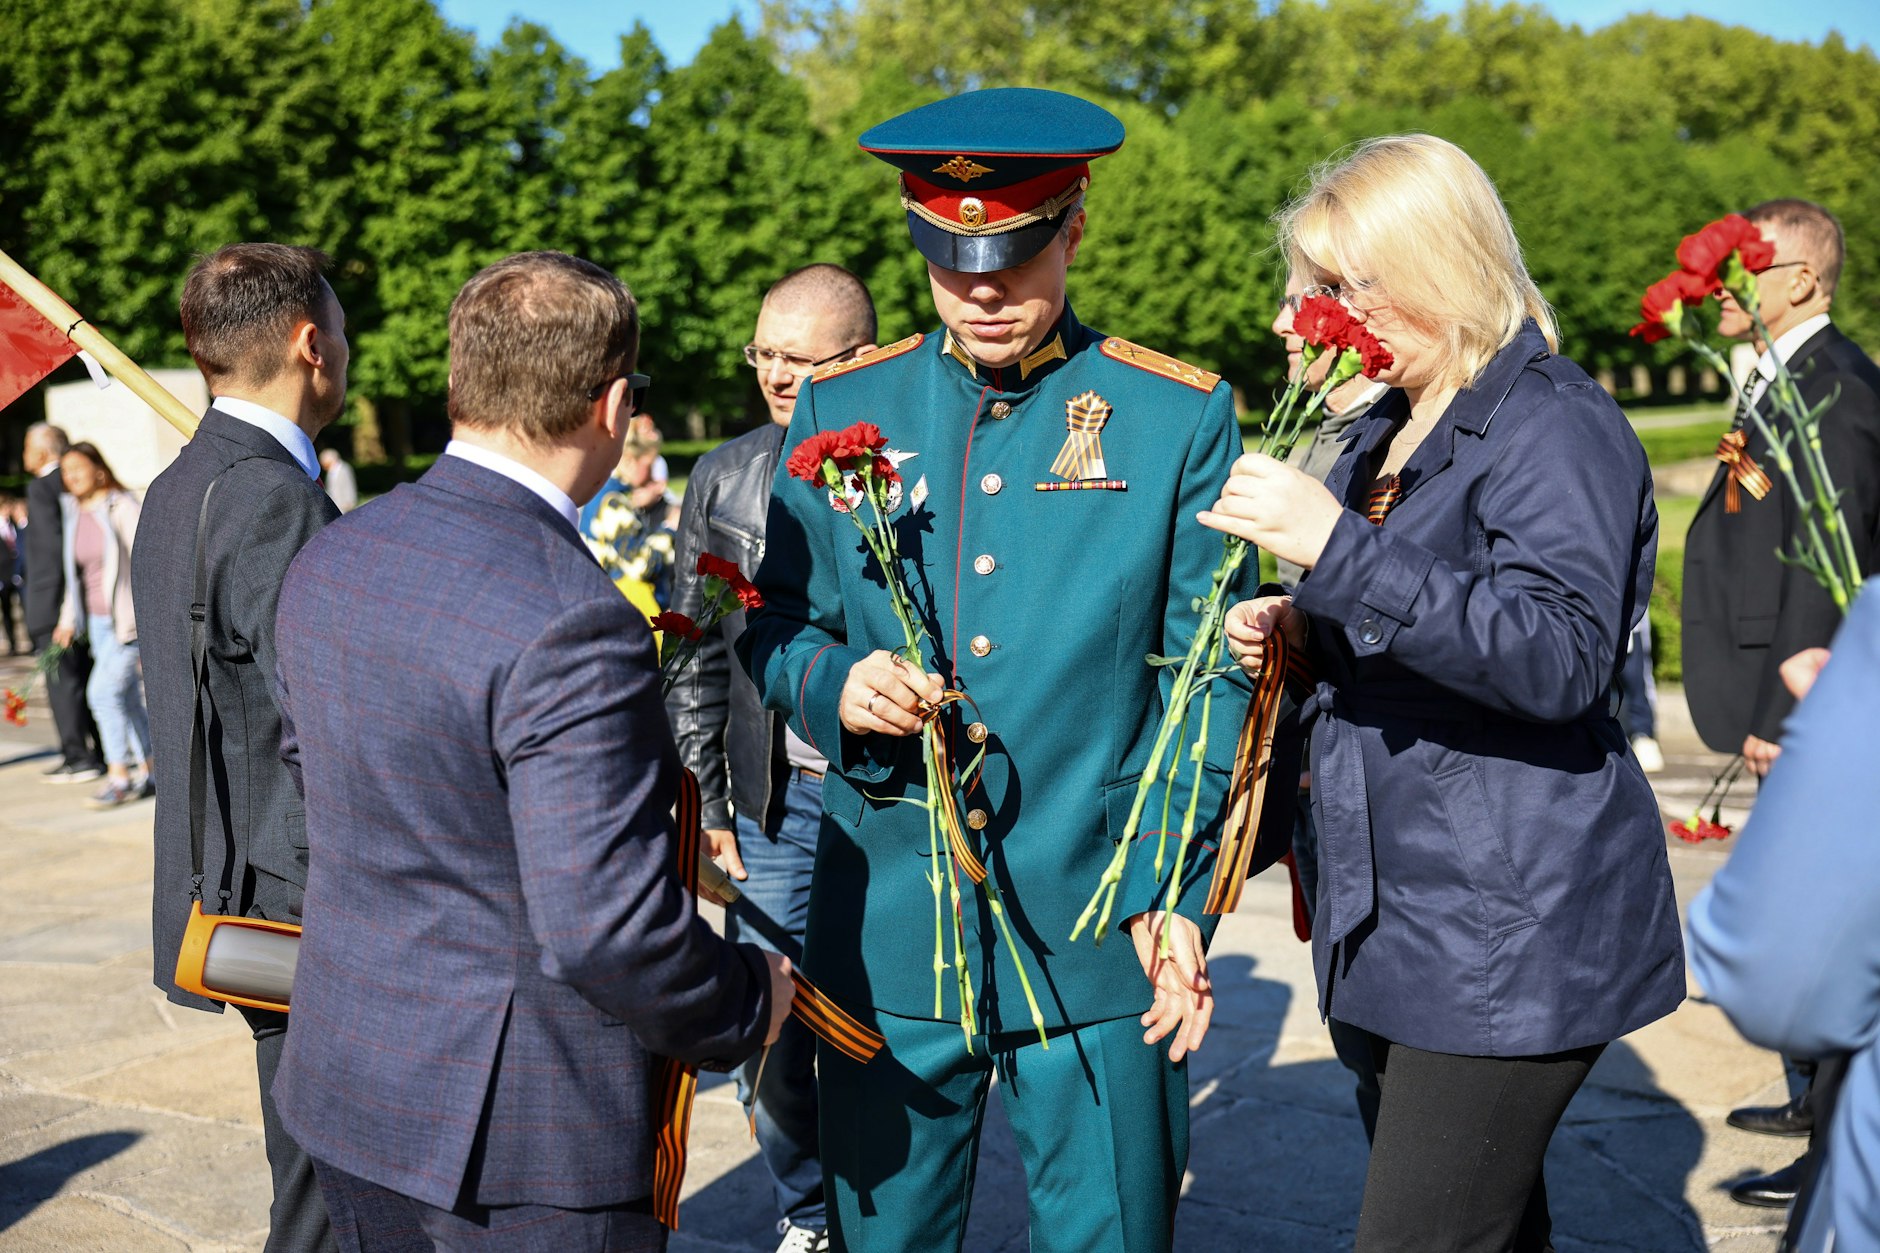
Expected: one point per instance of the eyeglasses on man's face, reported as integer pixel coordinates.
(761, 358)
(636, 390)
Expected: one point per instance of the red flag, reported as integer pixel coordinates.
(30, 346)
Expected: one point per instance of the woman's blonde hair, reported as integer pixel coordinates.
(1415, 220)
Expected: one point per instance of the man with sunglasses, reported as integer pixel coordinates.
(1746, 610)
(761, 784)
(496, 934)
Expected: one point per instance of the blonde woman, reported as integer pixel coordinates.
(1495, 904)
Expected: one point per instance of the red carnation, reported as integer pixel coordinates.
(717, 567)
(1375, 356)
(677, 624)
(1704, 253)
(1662, 306)
(1323, 322)
(846, 448)
(885, 471)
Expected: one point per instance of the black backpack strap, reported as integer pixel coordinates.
(198, 739)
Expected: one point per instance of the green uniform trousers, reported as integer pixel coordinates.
(1100, 1117)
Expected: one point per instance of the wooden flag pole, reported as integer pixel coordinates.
(88, 337)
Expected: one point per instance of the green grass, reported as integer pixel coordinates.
(1667, 444)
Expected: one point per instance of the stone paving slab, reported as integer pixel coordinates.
(127, 1123)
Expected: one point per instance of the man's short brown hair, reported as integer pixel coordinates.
(242, 302)
(1811, 231)
(833, 292)
(531, 338)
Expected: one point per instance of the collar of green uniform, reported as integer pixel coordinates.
(1059, 346)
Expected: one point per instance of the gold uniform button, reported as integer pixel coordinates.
(976, 819)
(980, 646)
(976, 732)
(984, 563)
(992, 485)
(1001, 409)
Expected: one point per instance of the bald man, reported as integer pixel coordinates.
(761, 784)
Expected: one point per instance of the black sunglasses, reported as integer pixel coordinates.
(636, 388)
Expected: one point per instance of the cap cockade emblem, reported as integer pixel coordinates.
(972, 211)
(959, 167)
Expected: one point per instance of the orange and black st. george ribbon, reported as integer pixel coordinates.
(1740, 469)
(677, 1082)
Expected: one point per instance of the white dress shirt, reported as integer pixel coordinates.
(298, 444)
(516, 472)
(1784, 348)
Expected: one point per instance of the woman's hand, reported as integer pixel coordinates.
(1250, 622)
(1275, 507)
(64, 635)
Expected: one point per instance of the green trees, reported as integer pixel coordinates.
(135, 133)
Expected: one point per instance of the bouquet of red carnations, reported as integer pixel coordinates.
(1327, 327)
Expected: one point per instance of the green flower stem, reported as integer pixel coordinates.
(1168, 793)
(997, 903)
(1199, 754)
(1815, 553)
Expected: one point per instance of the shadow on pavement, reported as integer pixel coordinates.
(37, 1177)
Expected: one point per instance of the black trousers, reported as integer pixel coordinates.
(297, 1221)
(65, 692)
(1456, 1162)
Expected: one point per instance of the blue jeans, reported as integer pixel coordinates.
(115, 693)
(771, 915)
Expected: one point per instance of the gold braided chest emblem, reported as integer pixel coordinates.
(1082, 454)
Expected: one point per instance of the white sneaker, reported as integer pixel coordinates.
(1650, 758)
(802, 1239)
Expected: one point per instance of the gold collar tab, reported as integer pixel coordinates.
(951, 347)
(1053, 351)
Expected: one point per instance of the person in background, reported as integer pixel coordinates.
(1746, 610)
(269, 335)
(80, 758)
(1638, 699)
(630, 524)
(1806, 981)
(337, 477)
(100, 528)
(12, 520)
(1474, 563)
(746, 757)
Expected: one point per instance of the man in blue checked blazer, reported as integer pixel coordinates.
(496, 938)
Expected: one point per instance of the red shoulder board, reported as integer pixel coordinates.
(1157, 363)
(870, 358)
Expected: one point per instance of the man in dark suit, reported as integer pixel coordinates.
(80, 760)
(474, 712)
(1746, 611)
(270, 338)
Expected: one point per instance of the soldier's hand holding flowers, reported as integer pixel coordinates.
(886, 695)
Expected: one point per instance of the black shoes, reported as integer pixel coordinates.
(1775, 1190)
(69, 772)
(1793, 1119)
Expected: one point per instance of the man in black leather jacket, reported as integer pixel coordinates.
(761, 785)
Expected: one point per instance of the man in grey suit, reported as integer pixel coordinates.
(270, 338)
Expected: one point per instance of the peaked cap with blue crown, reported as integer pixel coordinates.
(987, 177)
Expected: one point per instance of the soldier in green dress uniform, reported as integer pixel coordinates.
(1053, 548)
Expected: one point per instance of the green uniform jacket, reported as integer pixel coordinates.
(1041, 606)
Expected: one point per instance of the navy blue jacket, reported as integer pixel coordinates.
(495, 933)
(1494, 879)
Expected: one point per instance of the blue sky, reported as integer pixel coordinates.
(680, 26)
